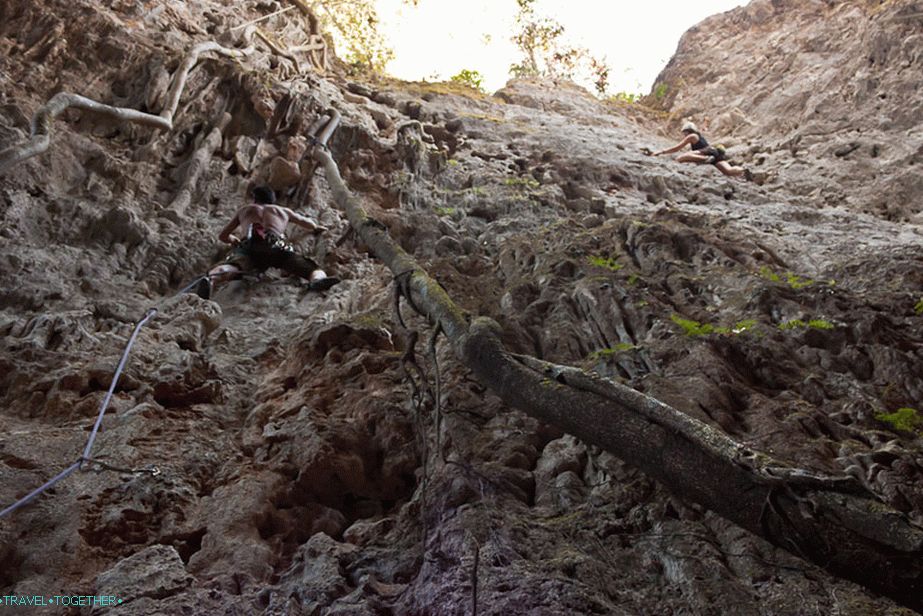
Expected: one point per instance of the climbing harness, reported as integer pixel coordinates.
(85, 462)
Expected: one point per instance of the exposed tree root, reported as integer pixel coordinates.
(198, 163)
(41, 129)
(316, 48)
(42, 121)
(278, 49)
(831, 521)
(316, 42)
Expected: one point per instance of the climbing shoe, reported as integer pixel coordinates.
(323, 284)
(710, 160)
(204, 288)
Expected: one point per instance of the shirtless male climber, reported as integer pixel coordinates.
(264, 245)
(702, 153)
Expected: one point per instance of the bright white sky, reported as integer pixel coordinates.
(438, 38)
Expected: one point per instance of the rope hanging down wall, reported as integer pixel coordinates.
(319, 133)
(85, 459)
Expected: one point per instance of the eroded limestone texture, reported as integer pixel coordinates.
(298, 476)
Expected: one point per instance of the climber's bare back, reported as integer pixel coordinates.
(273, 218)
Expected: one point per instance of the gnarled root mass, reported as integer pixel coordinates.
(828, 520)
(43, 119)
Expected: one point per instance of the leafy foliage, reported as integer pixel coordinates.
(625, 97)
(607, 262)
(603, 354)
(524, 182)
(599, 72)
(471, 79)
(742, 326)
(795, 282)
(547, 54)
(694, 328)
(354, 27)
(812, 324)
(905, 419)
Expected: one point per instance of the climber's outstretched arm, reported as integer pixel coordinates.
(304, 221)
(225, 235)
(689, 140)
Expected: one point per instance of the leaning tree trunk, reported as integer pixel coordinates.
(831, 521)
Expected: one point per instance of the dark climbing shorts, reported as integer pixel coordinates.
(260, 253)
(719, 154)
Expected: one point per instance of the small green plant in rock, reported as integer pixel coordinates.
(660, 91)
(633, 279)
(444, 211)
(768, 274)
(905, 419)
(607, 262)
(812, 324)
(694, 328)
(471, 79)
(792, 280)
(625, 97)
(796, 282)
(621, 347)
(601, 354)
(525, 182)
(919, 307)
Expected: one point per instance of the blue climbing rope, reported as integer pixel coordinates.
(115, 379)
(78, 464)
(28, 497)
(318, 134)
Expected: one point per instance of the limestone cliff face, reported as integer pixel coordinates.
(823, 92)
(301, 471)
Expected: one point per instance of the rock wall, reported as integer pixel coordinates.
(304, 466)
(821, 92)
